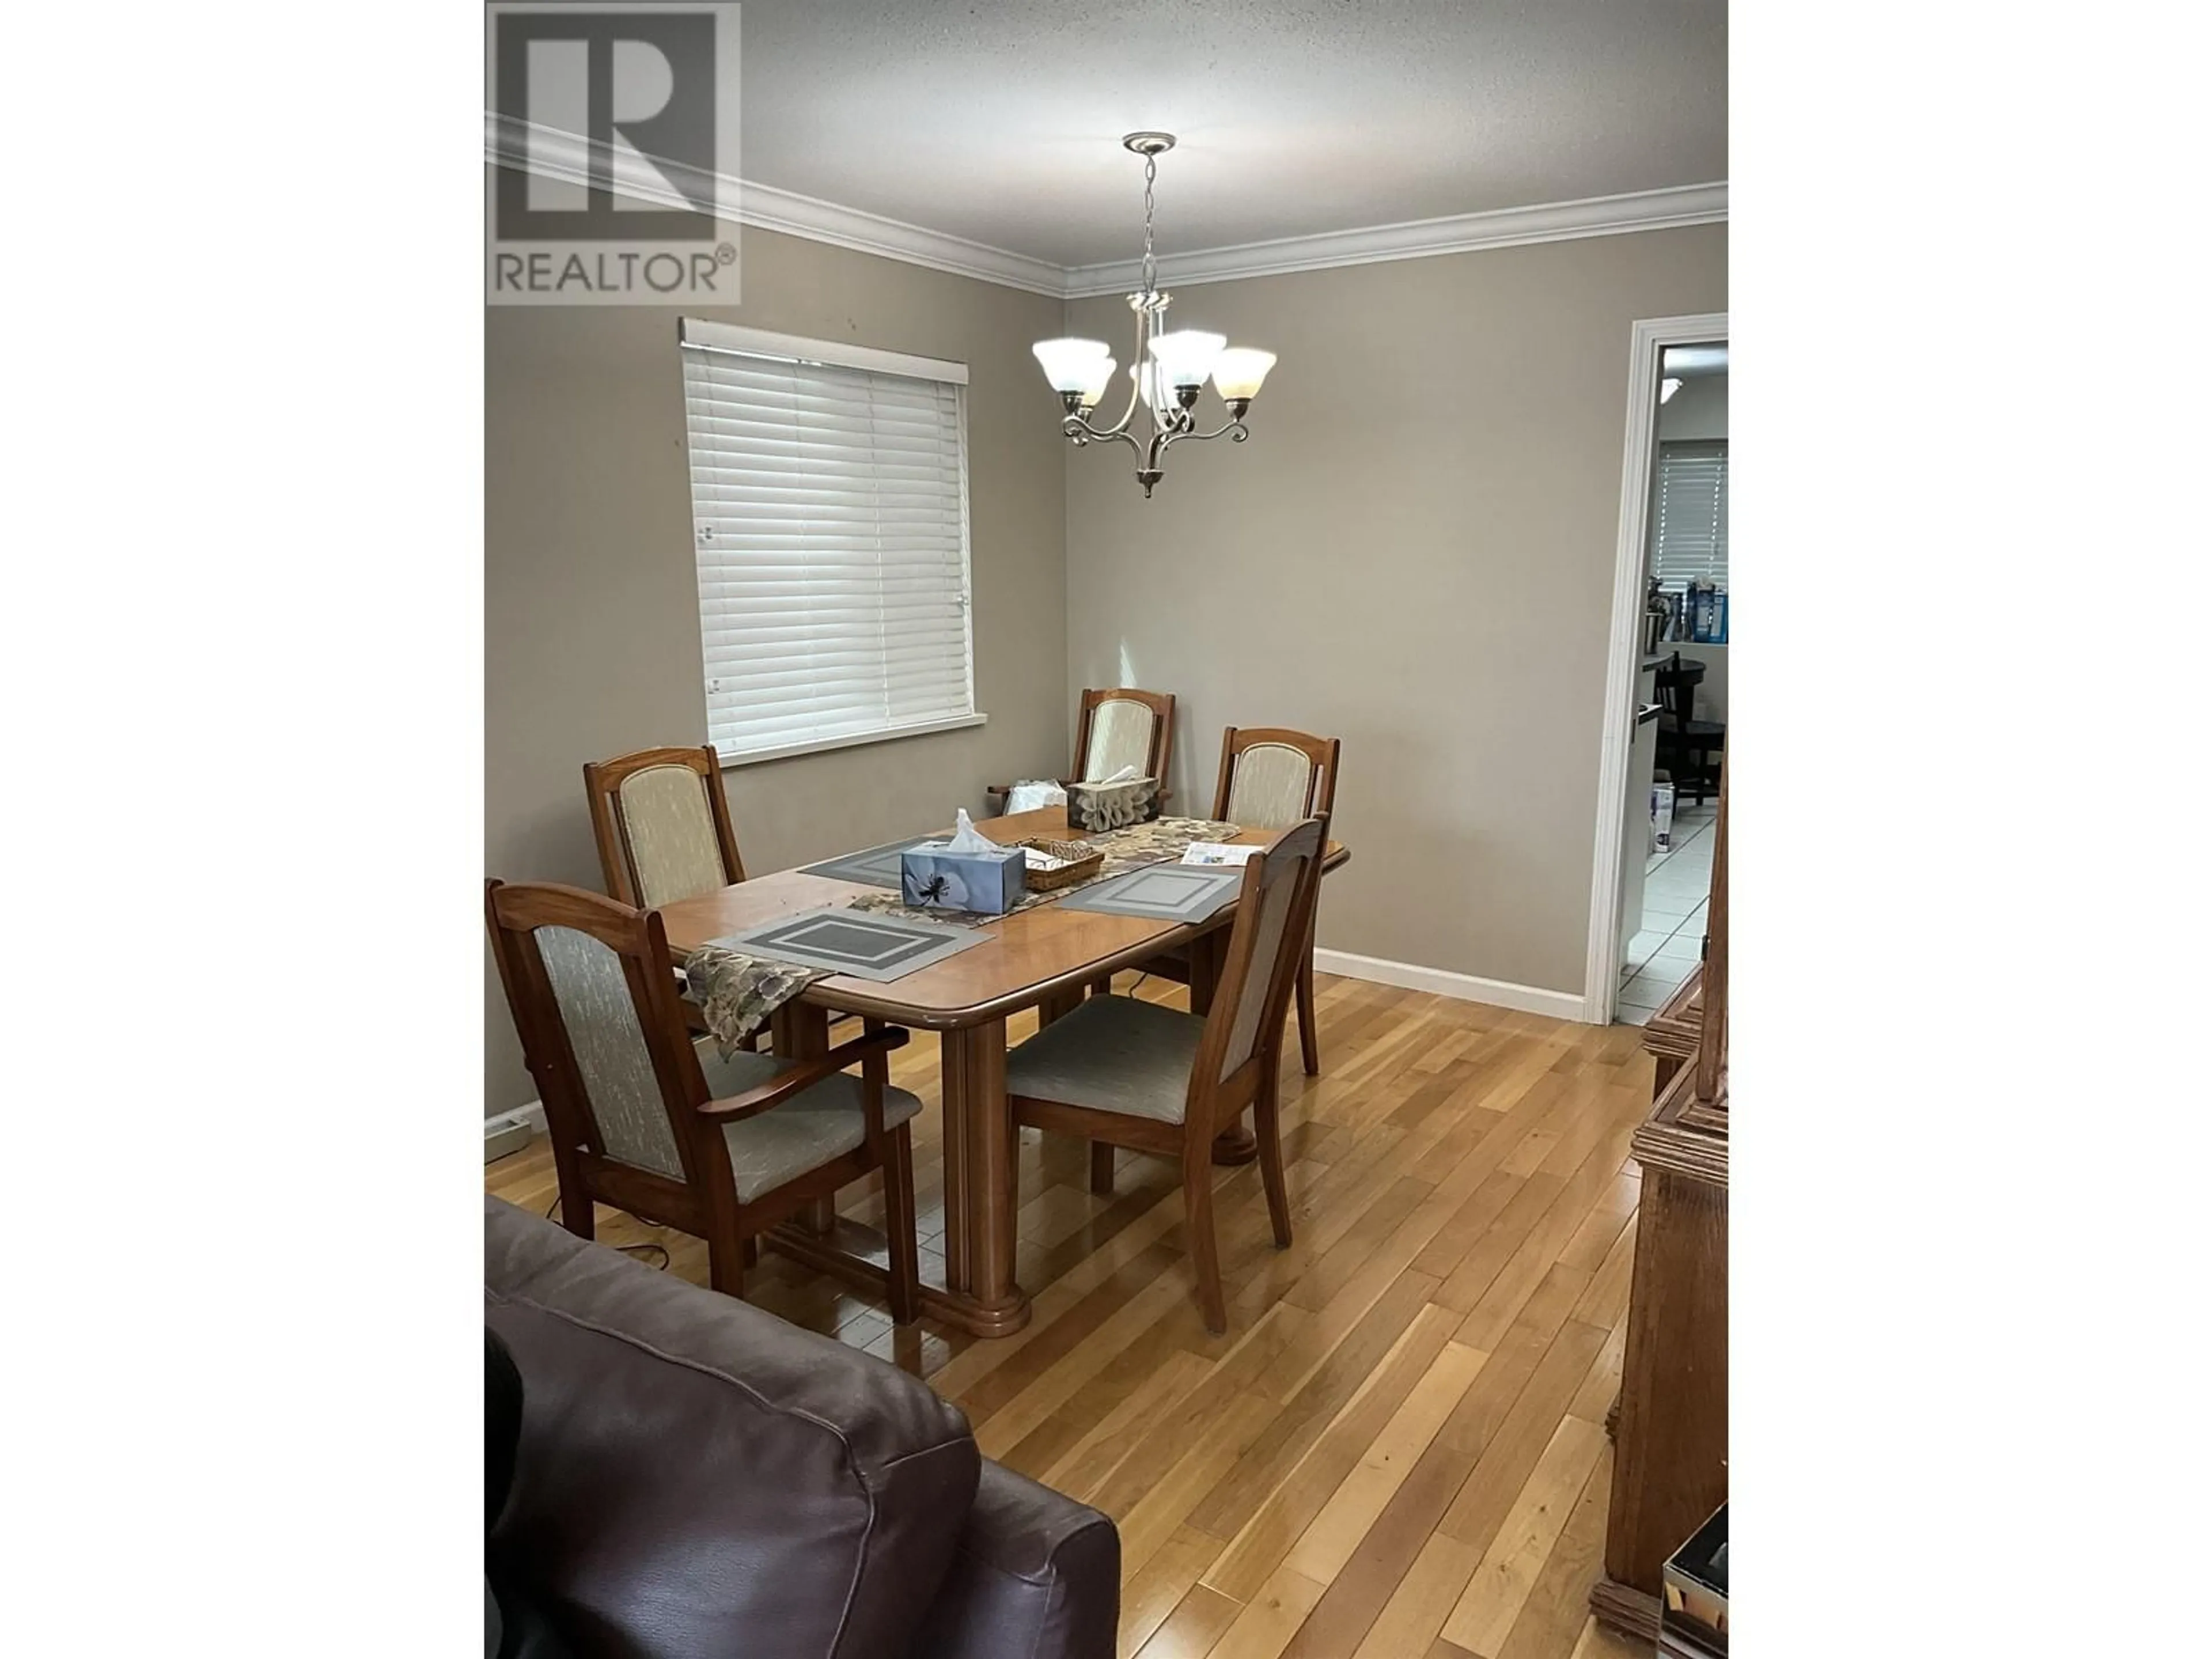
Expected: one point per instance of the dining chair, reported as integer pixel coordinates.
(1687, 746)
(1120, 728)
(1122, 1071)
(1271, 777)
(662, 823)
(722, 1149)
(1124, 727)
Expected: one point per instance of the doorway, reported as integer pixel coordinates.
(1667, 681)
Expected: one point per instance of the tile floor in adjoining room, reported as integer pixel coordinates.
(1662, 951)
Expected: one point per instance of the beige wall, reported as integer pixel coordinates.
(592, 621)
(1413, 553)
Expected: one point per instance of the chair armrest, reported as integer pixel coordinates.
(805, 1074)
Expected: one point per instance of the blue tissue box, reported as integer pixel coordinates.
(990, 883)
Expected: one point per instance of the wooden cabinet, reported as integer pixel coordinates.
(1670, 1441)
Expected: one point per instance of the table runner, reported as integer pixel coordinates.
(1160, 842)
(737, 992)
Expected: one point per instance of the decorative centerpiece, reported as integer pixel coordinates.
(1098, 807)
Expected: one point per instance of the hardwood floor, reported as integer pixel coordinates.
(1398, 1448)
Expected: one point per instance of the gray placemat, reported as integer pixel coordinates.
(1166, 892)
(877, 868)
(854, 942)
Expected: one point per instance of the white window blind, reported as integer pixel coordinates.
(1692, 544)
(829, 509)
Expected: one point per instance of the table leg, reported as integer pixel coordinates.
(980, 1200)
(1209, 951)
(800, 1032)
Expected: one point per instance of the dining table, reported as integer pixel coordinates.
(1046, 957)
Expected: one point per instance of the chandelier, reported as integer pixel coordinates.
(1169, 368)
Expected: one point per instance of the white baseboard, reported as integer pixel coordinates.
(1467, 988)
(510, 1132)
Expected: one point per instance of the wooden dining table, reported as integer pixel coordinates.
(1043, 957)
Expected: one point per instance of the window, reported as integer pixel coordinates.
(1692, 544)
(829, 512)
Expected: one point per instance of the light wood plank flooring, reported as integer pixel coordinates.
(1398, 1448)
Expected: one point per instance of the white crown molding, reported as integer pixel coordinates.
(552, 154)
(1421, 238)
(770, 208)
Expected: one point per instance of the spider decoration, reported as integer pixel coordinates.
(934, 890)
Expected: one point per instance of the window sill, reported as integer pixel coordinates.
(785, 751)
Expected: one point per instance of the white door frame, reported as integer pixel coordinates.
(1647, 337)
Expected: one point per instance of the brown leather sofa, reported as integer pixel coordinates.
(698, 1479)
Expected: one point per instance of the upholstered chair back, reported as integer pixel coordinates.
(1265, 945)
(596, 1019)
(1121, 735)
(1272, 778)
(596, 1008)
(1124, 727)
(663, 826)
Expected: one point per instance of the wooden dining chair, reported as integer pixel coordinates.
(662, 823)
(1120, 728)
(720, 1148)
(1122, 1071)
(1272, 777)
(1124, 727)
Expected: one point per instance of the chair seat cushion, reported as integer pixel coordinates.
(778, 1146)
(1112, 1054)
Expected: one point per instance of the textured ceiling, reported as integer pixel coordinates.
(1000, 122)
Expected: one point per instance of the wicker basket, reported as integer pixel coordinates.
(1083, 861)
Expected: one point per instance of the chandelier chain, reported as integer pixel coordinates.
(1151, 172)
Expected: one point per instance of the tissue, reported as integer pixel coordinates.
(966, 838)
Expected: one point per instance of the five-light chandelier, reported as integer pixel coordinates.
(1170, 366)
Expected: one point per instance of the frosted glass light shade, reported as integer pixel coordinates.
(1238, 371)
(1100, 370)
(1186, 357)
(1069, 364)
(1147, 377)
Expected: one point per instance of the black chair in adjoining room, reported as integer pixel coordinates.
(1689, 749)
